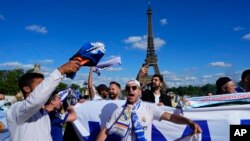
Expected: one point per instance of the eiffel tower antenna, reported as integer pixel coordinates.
(151, 57)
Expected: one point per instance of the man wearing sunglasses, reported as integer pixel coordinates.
(133, 121)
(155, 94)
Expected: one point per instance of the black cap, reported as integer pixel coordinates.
(222, 81)
(102, 87)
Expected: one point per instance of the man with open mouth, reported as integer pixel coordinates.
(133, 121)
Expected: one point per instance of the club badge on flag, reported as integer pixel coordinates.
(89, 55)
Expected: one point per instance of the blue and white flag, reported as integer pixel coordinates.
(93, 115)
(63, 94)
(4, 133)
(107, 64)
(89, 55)
(2, 102)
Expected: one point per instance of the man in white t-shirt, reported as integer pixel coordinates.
(133, 121)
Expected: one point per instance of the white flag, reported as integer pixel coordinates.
(63, 94)
(106, 64)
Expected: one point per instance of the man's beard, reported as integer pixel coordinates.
(112, 96)
(155, 87)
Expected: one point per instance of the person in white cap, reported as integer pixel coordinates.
(133, 121)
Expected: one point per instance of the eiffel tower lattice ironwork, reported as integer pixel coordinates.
(151, 57)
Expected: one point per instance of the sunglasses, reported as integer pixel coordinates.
(133, 88)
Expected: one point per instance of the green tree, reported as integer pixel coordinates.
(9, 80)
(193, 90)
(62, 86)
(208, 88)
(75, 86)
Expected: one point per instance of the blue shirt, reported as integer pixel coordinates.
(240, 89)
(57, 120)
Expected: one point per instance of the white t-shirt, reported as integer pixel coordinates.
(96, 96)
(157, 98)
(147, 113)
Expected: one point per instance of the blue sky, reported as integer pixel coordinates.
(196, 41)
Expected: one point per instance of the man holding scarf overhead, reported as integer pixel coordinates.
(133, 121)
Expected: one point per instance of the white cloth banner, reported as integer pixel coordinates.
(107, 64)
(214, 121)
(195, 102)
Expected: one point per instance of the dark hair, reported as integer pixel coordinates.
(52, 97)
(159, 76)
(245, 74)
(102, 87)
(220, 82)
(117, 84)
(27, 80)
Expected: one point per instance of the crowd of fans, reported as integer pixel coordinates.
(42, 114)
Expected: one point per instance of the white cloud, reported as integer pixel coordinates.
(182, 78)
(246, 37)
(190, 78)
(133, 39)
(114, 69)
(2, 18)
(16, 65)
(37, 28)
(219, 74)
(207, 76)
(220, 64)
(171, 77)
(141, 42)
(166, 73)
(137, 41)
(238, 28)
(159, 42)
(163, 21)
(45, 61)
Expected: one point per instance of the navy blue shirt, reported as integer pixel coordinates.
(57, 121)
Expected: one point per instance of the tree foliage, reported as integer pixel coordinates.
(9, 80)
(62, 86)
(75, 86)
(193, 90)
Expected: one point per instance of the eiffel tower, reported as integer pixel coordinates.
(151, 57)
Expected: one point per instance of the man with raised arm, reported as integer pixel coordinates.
(133, 121)
(26, 119)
